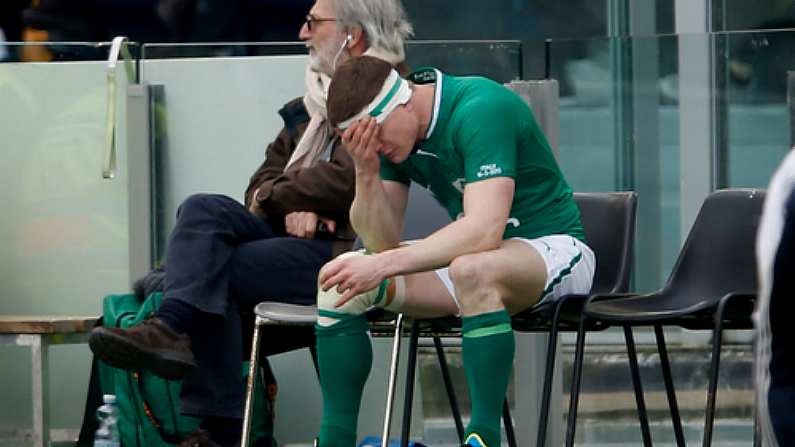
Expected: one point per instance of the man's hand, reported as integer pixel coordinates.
(352, 275)
(362, 140)
(303, 224)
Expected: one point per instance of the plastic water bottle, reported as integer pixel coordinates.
(107, 435)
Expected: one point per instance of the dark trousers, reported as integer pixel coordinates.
(223, 260)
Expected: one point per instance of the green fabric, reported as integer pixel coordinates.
(482, 130)
(135, 428)
(490, 330)
(333, 314)
(381, 295)
(488, 319)
(345, 357)
(488, 361)
(347, 325)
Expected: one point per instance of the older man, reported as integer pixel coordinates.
(224, 257)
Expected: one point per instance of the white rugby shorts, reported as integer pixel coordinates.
(570, 266)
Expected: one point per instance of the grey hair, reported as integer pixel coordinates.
(383, 21)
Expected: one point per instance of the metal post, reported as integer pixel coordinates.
(250, 383)
(393, 370)
(448, 386)
(139, 180)
(543, 97)
(39, 350)
(411, 369)
(636, 382)
(670, 391)
(697, 137)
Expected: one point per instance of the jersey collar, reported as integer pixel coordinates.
(426, 76)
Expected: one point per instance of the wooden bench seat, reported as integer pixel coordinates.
(40, 332)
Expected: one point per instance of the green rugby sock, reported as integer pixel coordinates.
(344, 358)
(488, 350)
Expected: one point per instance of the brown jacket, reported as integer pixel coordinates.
(327, 188)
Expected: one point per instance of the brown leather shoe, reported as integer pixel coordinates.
(198, 438)
(151, 345)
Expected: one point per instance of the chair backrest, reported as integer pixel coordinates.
(609, 222)
(423, 216)
(718, 256)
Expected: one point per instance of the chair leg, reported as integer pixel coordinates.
(393, 370)
(411, 368)
(714, 369)
(636, 383)
(448, 386)
(575, 384)
(252, 373)
(669, 386)
(549, 371)
(508, 422)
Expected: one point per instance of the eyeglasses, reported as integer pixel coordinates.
(311, 20)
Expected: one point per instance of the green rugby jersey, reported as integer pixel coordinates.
(480, 130)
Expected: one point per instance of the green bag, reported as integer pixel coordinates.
(148, 405)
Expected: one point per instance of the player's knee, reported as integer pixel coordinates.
(471, 270)
(327, 299)
(475, 279)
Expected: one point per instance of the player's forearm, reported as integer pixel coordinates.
(373, 216)
(461, 237)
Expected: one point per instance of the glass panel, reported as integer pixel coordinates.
(65, 227)
(642, 93)
(20, 52)
(739, 15)
(217, 116)
(756, 112)
(620, 118)
(664, 13)
(619, 126)
(227, 49)
(530, 21)
(498, 60)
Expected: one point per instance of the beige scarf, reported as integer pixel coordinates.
(318, 134)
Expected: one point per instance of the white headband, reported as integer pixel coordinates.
(394, 92)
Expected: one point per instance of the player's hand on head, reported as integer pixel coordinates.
(362, 140)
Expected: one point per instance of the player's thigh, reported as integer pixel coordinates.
(427, 296)
(519, 274)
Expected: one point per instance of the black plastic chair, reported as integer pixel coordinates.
(712, 286)
(609, 223)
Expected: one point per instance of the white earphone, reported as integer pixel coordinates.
(342, 48)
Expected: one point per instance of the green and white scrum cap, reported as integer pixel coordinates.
(394, 92)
